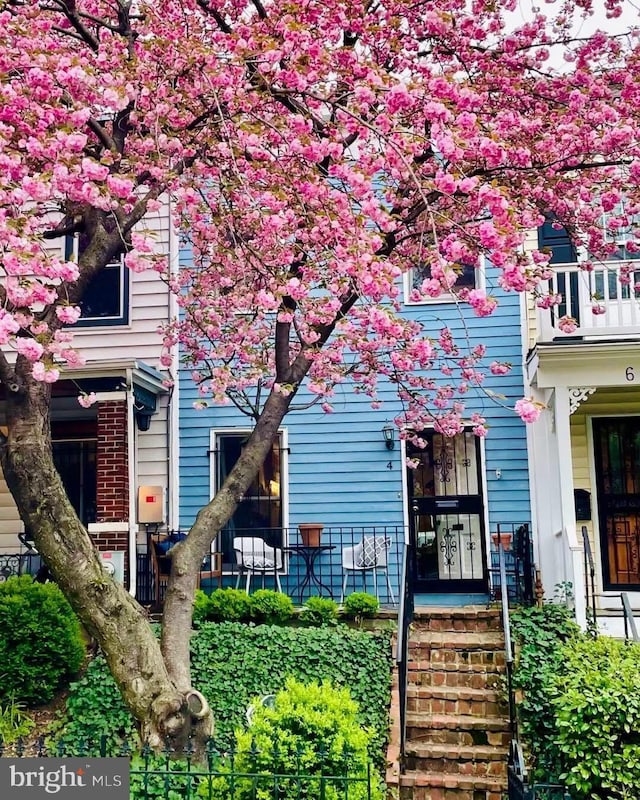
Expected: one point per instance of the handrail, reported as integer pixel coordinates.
(590, 567)
(405, 615)
(508, 649)
(629, 621)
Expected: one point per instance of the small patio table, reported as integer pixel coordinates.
(309, 554)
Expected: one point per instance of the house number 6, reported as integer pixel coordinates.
(630, 374)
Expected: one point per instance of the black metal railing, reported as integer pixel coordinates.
(630, 629)
(518, 785)
(519, 564)
(347, 559)
(19, 562)
(242, 773)
(589, 581)
(405, 616)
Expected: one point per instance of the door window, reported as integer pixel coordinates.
(259, 512)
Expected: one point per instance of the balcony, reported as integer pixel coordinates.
(602, 306)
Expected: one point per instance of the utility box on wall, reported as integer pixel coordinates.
(113, 563)
(151, 505)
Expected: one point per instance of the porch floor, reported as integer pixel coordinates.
(451, 600)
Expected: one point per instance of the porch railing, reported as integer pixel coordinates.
(598, 300)
(350, 558)
(405, 616)
(589, 580)
(519, 565)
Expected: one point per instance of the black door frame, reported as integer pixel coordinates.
(609, 504)
(450, 504)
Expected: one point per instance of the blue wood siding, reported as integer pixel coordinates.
(340, 472)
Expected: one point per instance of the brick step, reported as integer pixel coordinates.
(475, 676)
(469, 618)
(480, 702)
(478, 761)
(463, 729)
(440, 786)
(440, 658)
(456, 640)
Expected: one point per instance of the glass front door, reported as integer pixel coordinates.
(447, 515)
(617, 460)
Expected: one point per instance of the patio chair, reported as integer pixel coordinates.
(161, 566)
(369, 555)
(255, 557)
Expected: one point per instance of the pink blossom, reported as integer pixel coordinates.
(87, 400)
(598, 309)
(528, 410)
(68, 314)
(94, 171)
(499, 368)
(29, 348)
(567, 324)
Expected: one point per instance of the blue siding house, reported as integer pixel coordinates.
(339, 470)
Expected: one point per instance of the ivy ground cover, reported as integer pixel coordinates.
(235, 663)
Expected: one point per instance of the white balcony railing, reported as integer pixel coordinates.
(600, 304)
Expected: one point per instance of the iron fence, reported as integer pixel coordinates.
(279, 773)
(519, 564)
(346, 559)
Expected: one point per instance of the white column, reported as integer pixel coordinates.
(572, 549)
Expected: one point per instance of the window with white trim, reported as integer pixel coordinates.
(469, 277)
(260, 512)
(106, 299)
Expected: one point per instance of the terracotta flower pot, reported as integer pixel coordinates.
(310, 533)
(504, 539)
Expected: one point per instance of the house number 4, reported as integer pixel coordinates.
(630, 374)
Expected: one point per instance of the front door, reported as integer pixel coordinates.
(447, 515)
(617, 461)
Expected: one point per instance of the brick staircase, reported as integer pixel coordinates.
(457, 726)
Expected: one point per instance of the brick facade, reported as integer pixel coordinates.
(112, 463)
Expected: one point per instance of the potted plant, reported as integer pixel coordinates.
(310, 533)
(503, 539)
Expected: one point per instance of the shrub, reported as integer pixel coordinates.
(233, 663)
(540, 634)
(597, 706)
(319, 611)
(360, 605)
(271, 607)
(228, 605)
(200, 607)
(310, 730)
(41, 645)
(14, 722)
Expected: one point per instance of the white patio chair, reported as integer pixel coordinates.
(369, 555)
(255, 557)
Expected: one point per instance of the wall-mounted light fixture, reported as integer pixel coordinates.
(143, 417)
(389, 434)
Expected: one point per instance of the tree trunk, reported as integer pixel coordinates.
(188, 555)
(167, 708)
(154, 678)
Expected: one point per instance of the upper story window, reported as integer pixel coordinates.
(106, 298)
(469, 277)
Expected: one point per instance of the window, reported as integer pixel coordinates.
(106, 298)
(75, 460)
(468, 278)
(260, 511)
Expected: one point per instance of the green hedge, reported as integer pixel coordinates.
(41, 643)
(235, 663)
(596, 698)
(580, 706)
(308, 730)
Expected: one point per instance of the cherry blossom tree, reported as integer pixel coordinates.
(314, 152)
